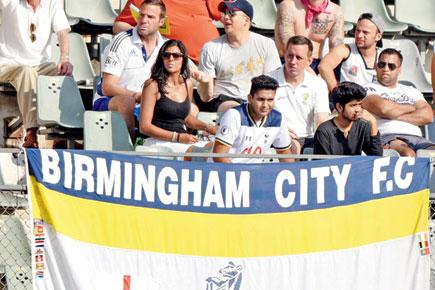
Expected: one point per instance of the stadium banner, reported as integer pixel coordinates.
(124, 222)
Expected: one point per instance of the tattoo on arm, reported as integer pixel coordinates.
(285, 24)
(336, 34)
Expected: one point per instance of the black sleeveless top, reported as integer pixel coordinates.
(170, 115)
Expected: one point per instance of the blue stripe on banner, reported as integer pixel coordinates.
(220, 188)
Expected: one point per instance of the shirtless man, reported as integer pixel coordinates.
(315, 19)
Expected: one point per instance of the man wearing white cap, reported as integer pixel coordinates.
(233, 59)
(358, 59)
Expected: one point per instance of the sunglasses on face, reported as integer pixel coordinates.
(175, 55)
(32, 32)
(383, 64)
(231, 13)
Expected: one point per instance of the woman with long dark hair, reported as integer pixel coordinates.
(166, 108)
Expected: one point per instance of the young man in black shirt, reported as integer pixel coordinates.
(353, 130)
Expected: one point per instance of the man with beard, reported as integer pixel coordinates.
(127, 63)
(399, 109)
(357, 60)
(353, 130)
(183, 18)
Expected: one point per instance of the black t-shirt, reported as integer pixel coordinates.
(330, 140)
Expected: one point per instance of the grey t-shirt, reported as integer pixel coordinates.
(233, 68)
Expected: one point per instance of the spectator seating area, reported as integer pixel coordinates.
(411, 29)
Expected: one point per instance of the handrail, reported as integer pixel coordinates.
(230, 155)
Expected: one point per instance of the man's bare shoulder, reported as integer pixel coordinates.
(288, 4)
(334, 8)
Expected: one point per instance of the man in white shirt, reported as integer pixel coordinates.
(254, 127)
(25, 35)
(234, 58)
(399, 109)
(302, 97)
(127, 63)
(356, 61)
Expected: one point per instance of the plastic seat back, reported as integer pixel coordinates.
(418, 13)
(196, 149)
(156, 149)
(83, 71)
(15, 253)
(209, 117)
(106, 131)
(390, 153)
(353, 9)
(59, 102)
(98, 12)
(412, 66)
(264, 14)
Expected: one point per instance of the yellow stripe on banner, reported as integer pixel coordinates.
(223, 235)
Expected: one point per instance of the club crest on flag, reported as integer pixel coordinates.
(229, 278)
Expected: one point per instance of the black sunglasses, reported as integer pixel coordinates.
(32, 32)
(175, 55)
(231, 12)
(391, 66)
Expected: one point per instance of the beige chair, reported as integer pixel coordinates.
(352, 9)
(106, 131)
(83, 71)
(412, 67)
(420, 14)
(96, 13)
(60, 109)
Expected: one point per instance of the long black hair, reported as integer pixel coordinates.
(158, 71)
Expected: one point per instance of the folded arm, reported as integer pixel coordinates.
(422, 114)
(384, 108)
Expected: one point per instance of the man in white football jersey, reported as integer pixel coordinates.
(399, 109)
(255, 127)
